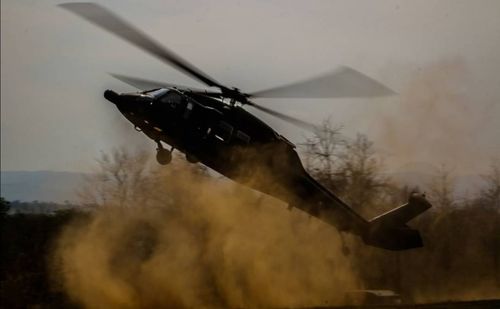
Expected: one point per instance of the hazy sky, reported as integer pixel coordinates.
(442, 57)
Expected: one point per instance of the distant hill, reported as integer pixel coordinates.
(44, 186)
(17, 207)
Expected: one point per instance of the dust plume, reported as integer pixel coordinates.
(439, 120)
(190, 240)
(460, 259)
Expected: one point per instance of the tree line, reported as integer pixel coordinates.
(461, 254)
(460, 259)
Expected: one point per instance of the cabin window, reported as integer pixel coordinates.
(189, 109)
(223, 131)
(243, 137)
(172, 98)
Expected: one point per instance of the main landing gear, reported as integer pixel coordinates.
(163, 156)
(192, 158)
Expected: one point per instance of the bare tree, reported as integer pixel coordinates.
(121, 178)
(124, 178)
(441, 187)
(491, 194)
(321, 153)
(360, 171)
(349, 168)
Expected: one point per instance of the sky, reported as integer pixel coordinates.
(441, 57)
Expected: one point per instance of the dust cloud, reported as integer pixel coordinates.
(439, 120)
(197, 241)
(184, 239)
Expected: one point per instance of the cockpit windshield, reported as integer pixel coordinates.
(157, 92)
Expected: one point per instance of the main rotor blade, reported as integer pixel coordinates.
(107, 20)
(341, 83)
(300, 123)
(146, 84)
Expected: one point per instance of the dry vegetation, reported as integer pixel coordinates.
(201, 240)
(181, 236)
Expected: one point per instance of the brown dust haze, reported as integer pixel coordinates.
(177, 237)
(438, 119)
(194, 241)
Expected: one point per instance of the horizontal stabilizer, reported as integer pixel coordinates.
(416, 205)
(389, 230)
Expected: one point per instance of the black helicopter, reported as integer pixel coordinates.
(213, 128)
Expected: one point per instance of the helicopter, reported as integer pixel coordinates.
(213, 127)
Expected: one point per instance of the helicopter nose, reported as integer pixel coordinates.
(128, 102)
(124, 101)
(112, 96)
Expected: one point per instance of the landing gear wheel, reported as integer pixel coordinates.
(163, 156)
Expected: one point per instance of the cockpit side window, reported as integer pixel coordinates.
(189, 109)
(157, 92)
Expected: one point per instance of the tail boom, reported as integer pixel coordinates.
(388, 230)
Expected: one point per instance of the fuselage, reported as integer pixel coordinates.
(236, 144)
(226, 138)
